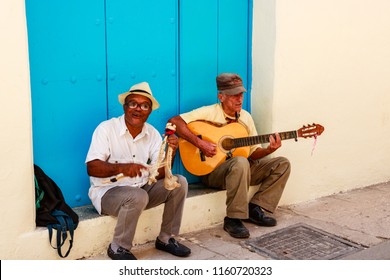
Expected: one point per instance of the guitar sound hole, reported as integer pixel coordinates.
(227, 144)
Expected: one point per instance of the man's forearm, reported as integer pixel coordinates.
(183, 131)
(102, 169)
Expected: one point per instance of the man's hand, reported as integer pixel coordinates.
(208, 149)
(274, 143)
(173, 142)
(134, 169)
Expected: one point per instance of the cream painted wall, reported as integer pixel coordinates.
(313, 61)
(16, 172)
(326, 62)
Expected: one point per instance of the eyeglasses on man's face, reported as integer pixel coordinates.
(144, 106)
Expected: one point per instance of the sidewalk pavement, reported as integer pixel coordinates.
(351, 225)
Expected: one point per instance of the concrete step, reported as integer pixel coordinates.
(204, 208)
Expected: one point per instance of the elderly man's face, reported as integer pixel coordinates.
(137, 109)
(231, 103)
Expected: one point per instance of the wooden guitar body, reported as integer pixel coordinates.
(198, 164)
(232, 140)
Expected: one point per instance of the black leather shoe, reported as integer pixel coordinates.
(173, 247)
(120, 254)
(258, 217)
(235, 228)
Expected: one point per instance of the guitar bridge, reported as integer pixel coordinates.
(229, 155)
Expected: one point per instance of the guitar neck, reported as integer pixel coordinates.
(260, 139)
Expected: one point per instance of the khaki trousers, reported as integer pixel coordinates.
(235, 175)
(127, 203)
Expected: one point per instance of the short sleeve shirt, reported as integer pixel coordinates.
(112, 142)
(215, 113)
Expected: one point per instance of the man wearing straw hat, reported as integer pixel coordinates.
(121, 151)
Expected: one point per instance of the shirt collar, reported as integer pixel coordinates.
(228, 117)
(124, 130)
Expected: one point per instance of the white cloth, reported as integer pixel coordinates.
(112, 142)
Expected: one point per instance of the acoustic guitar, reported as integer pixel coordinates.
(231, 140)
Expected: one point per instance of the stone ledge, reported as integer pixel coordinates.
(89, 212)
(201, 210)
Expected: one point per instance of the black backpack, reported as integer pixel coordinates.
(52, 211)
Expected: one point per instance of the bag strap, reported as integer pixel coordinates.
(65, 224)
(39, 192)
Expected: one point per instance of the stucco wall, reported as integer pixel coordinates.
(313, 61)
(16, 173)
(325, 62)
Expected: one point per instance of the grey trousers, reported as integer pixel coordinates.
(235, 175)
(127, 203)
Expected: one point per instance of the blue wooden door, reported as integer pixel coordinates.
(142, 46)
(83, 53)
(214, 38)
(68, 87)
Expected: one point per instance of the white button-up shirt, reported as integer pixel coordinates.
(112, 142)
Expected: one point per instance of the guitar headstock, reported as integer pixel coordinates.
(311, 130)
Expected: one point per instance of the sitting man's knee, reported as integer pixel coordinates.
(285, 163)
(183, 182)
(239, 162)
(138, 198)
